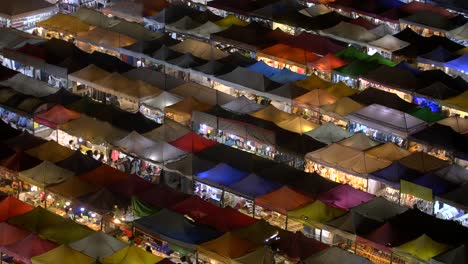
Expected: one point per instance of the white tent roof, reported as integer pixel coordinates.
(182, 25)
(329, 133)
(98, 245)
(335, 255)
(45, 174)
(388, 43)
(379, 209)
(169, 131)
(29, 86)
(163, 152)
(205, 30)
(454, 173)
(163, 100)
(202, 93)
(359, 141)
(315, 10)
(199, 49)
(382, 30)
(388, 120)
(242, 105)
(155, 78)
(134, 143)
(349, 33)
(460, 33)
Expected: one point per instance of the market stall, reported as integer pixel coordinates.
(154, 108)
(181, 112)
(224, 249)
(338, 111)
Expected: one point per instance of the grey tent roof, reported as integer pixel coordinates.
(453, 256)
(329, 133)
(431, 20)
(335, 255)
(315, 10)
(214, 67)
(289, 91)
(382, 30)
(379, 209)
(165, 53)
(354, 223)
(243, 77)
(155, 78)
(29, 86)
(454, 173)
(163, 100)
(183, 24)
(393, 77)
(457, 198)
(242, 105)
(349, 33)
(388, 120)
(186, 61)
(98, 245)
(20, 7)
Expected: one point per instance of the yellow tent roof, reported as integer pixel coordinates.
(459, 124)
(273, 114)
(423, 248)
(229, 21)
(226, 247)
(131, 255)
(462, 51)
(62, 254)
(315, 213)
(105, 38)
(72, 188)
(422, 162)
(363, 164)
(64, 23)
(297, 125)
(332, 154)
(340, 90)
(313, 82)
(388, 151)
(88, 75)
(416, 190)
(316, 98)
(182, 111)
(460, 101)
(342, 107)
(50, 151)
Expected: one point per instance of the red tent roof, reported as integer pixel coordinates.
(131, 186)
(314, 43)
(11, 207)
(10, 234)
(28, 247)
(57, 115)
(328, 63)
(283, 200)
(161, 196)
(230, 219)
(104, 175)
(196, 208)
(298, 246)
(192, 142)
(20, 161)
(363, 23)
(33, 50)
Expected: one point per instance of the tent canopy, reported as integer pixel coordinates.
(316, 213)
(29, 86)
(297, 125)
(423, 248)
(61, 254)
(226, 247)
(285, 53)
(92, 129)
(79, 163)
(349, 33)
(283, 200)
(335, 255)
(202, 93)
(388, 151)
(392, 174)
(134, 143)
(247, 79)
(28, 247)
(103, 175)
(273, 114)
(427, 115)
(199, 49)
(11, 207)
(242, 105)
(55, 116)
(298, 246)
(345, 197)
(453, 256)
(342, 107)
(103, 201)
(379, 209)
(358, 141)
(329, 133)
(328, 63)
(131, 254)
(133, 185)
(375, 96)
(192, 142)
(72, 188)
(252, 186)
(50, 151)
(457, 123)
(422, 162)
(45, 174)
(388, 43)
(161, 196)
(315, 98)
(222, 175)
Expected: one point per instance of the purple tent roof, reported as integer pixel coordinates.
(435, 183)
(345, 197)
(392, 174)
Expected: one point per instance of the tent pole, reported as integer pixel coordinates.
(286, 224)
(253, 209)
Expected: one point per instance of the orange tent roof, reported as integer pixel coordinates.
(104, 175)
(227, 247)
(288, 53)
(283, 200)
(313, 82)
(11, 207)
(328, 63)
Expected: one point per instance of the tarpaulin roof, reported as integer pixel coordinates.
(182, 111)
(56, 115)
(61, 254)
(298, 246)
(98, 245)
(162, 196)
(11, 234)
(388, 120)
(286, 76)
(192, 142)
(202, 93)
(252, 186)
(422, 162)
(283, 200)
(342, 107)
(349, 33)
(388, 43)
(335, 255)
(205, 30)
(222, 174)
(104, 175)
(28, 247)
(91, 129)
(283, 52)
(175, 228)
(379, 209)
(242, 105)
(329, 133)
(388, 151)
(226, 247)
(131, 186)
(297, 125)
(375, 96)
(423, 248)
(264, 69)
(345, 197)
(103, 201)
(315, 213)
(162, 101)
(132, 254)
(29, 86)
(392, 174)
(243, 77)
(11, 207)
(50, 226)
(79, 163)
(45, 174)
(199, 49)
(442, 137)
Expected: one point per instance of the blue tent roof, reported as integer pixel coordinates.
(222, 174)
(264, 69)
(437, 56)
(435, 183)
(253, 186)
(459, 64)
(408, 67)
(392, 174)
(286, 76)
(170, 225)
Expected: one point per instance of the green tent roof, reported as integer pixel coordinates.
(423, 248)
(351, 54)
(426, 114)
(356, 68)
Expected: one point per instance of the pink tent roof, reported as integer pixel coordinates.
(345, 197)
(57, 115)
(10, 234)
(192, 142)
(11, 207)
(28, 247)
